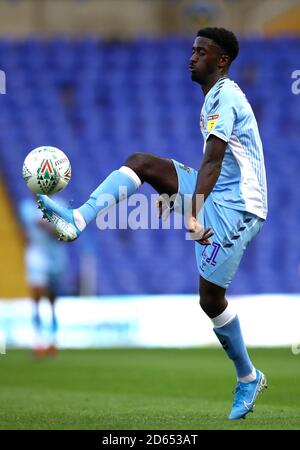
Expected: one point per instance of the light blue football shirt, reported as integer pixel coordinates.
(227, 114)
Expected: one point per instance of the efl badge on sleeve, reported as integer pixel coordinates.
(212, 120)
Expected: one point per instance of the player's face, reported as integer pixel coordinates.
(204, 60)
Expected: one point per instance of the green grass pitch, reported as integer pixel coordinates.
(143, 389)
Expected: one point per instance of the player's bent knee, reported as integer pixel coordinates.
(137, 160)
(140, 163)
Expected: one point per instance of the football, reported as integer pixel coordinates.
(46, 170)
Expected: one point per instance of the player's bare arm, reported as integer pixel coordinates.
(208, 175)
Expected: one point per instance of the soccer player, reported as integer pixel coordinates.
(45, 262)
(233, 181)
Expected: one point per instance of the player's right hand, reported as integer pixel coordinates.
(197, 232)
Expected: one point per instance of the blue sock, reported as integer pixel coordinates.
(124, 178)
(54, 325)
(231, 339)
(37, 320)
(37, 323)
(53, 331)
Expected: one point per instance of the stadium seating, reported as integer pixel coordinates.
(99, 101)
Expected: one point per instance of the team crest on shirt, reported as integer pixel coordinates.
(212, 120)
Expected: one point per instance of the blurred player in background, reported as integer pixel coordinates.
(232, 180)
(45, 261)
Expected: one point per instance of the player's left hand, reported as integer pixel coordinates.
(198, 233)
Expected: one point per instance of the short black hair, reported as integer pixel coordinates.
(224, 38)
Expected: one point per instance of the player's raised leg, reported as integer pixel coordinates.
(227, 329)
(160, 173)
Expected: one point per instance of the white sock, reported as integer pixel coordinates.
(79, 220)
(224, 318)
(131, 174)
(249, 378)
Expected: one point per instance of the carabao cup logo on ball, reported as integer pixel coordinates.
(47, 176)
(46, 170)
